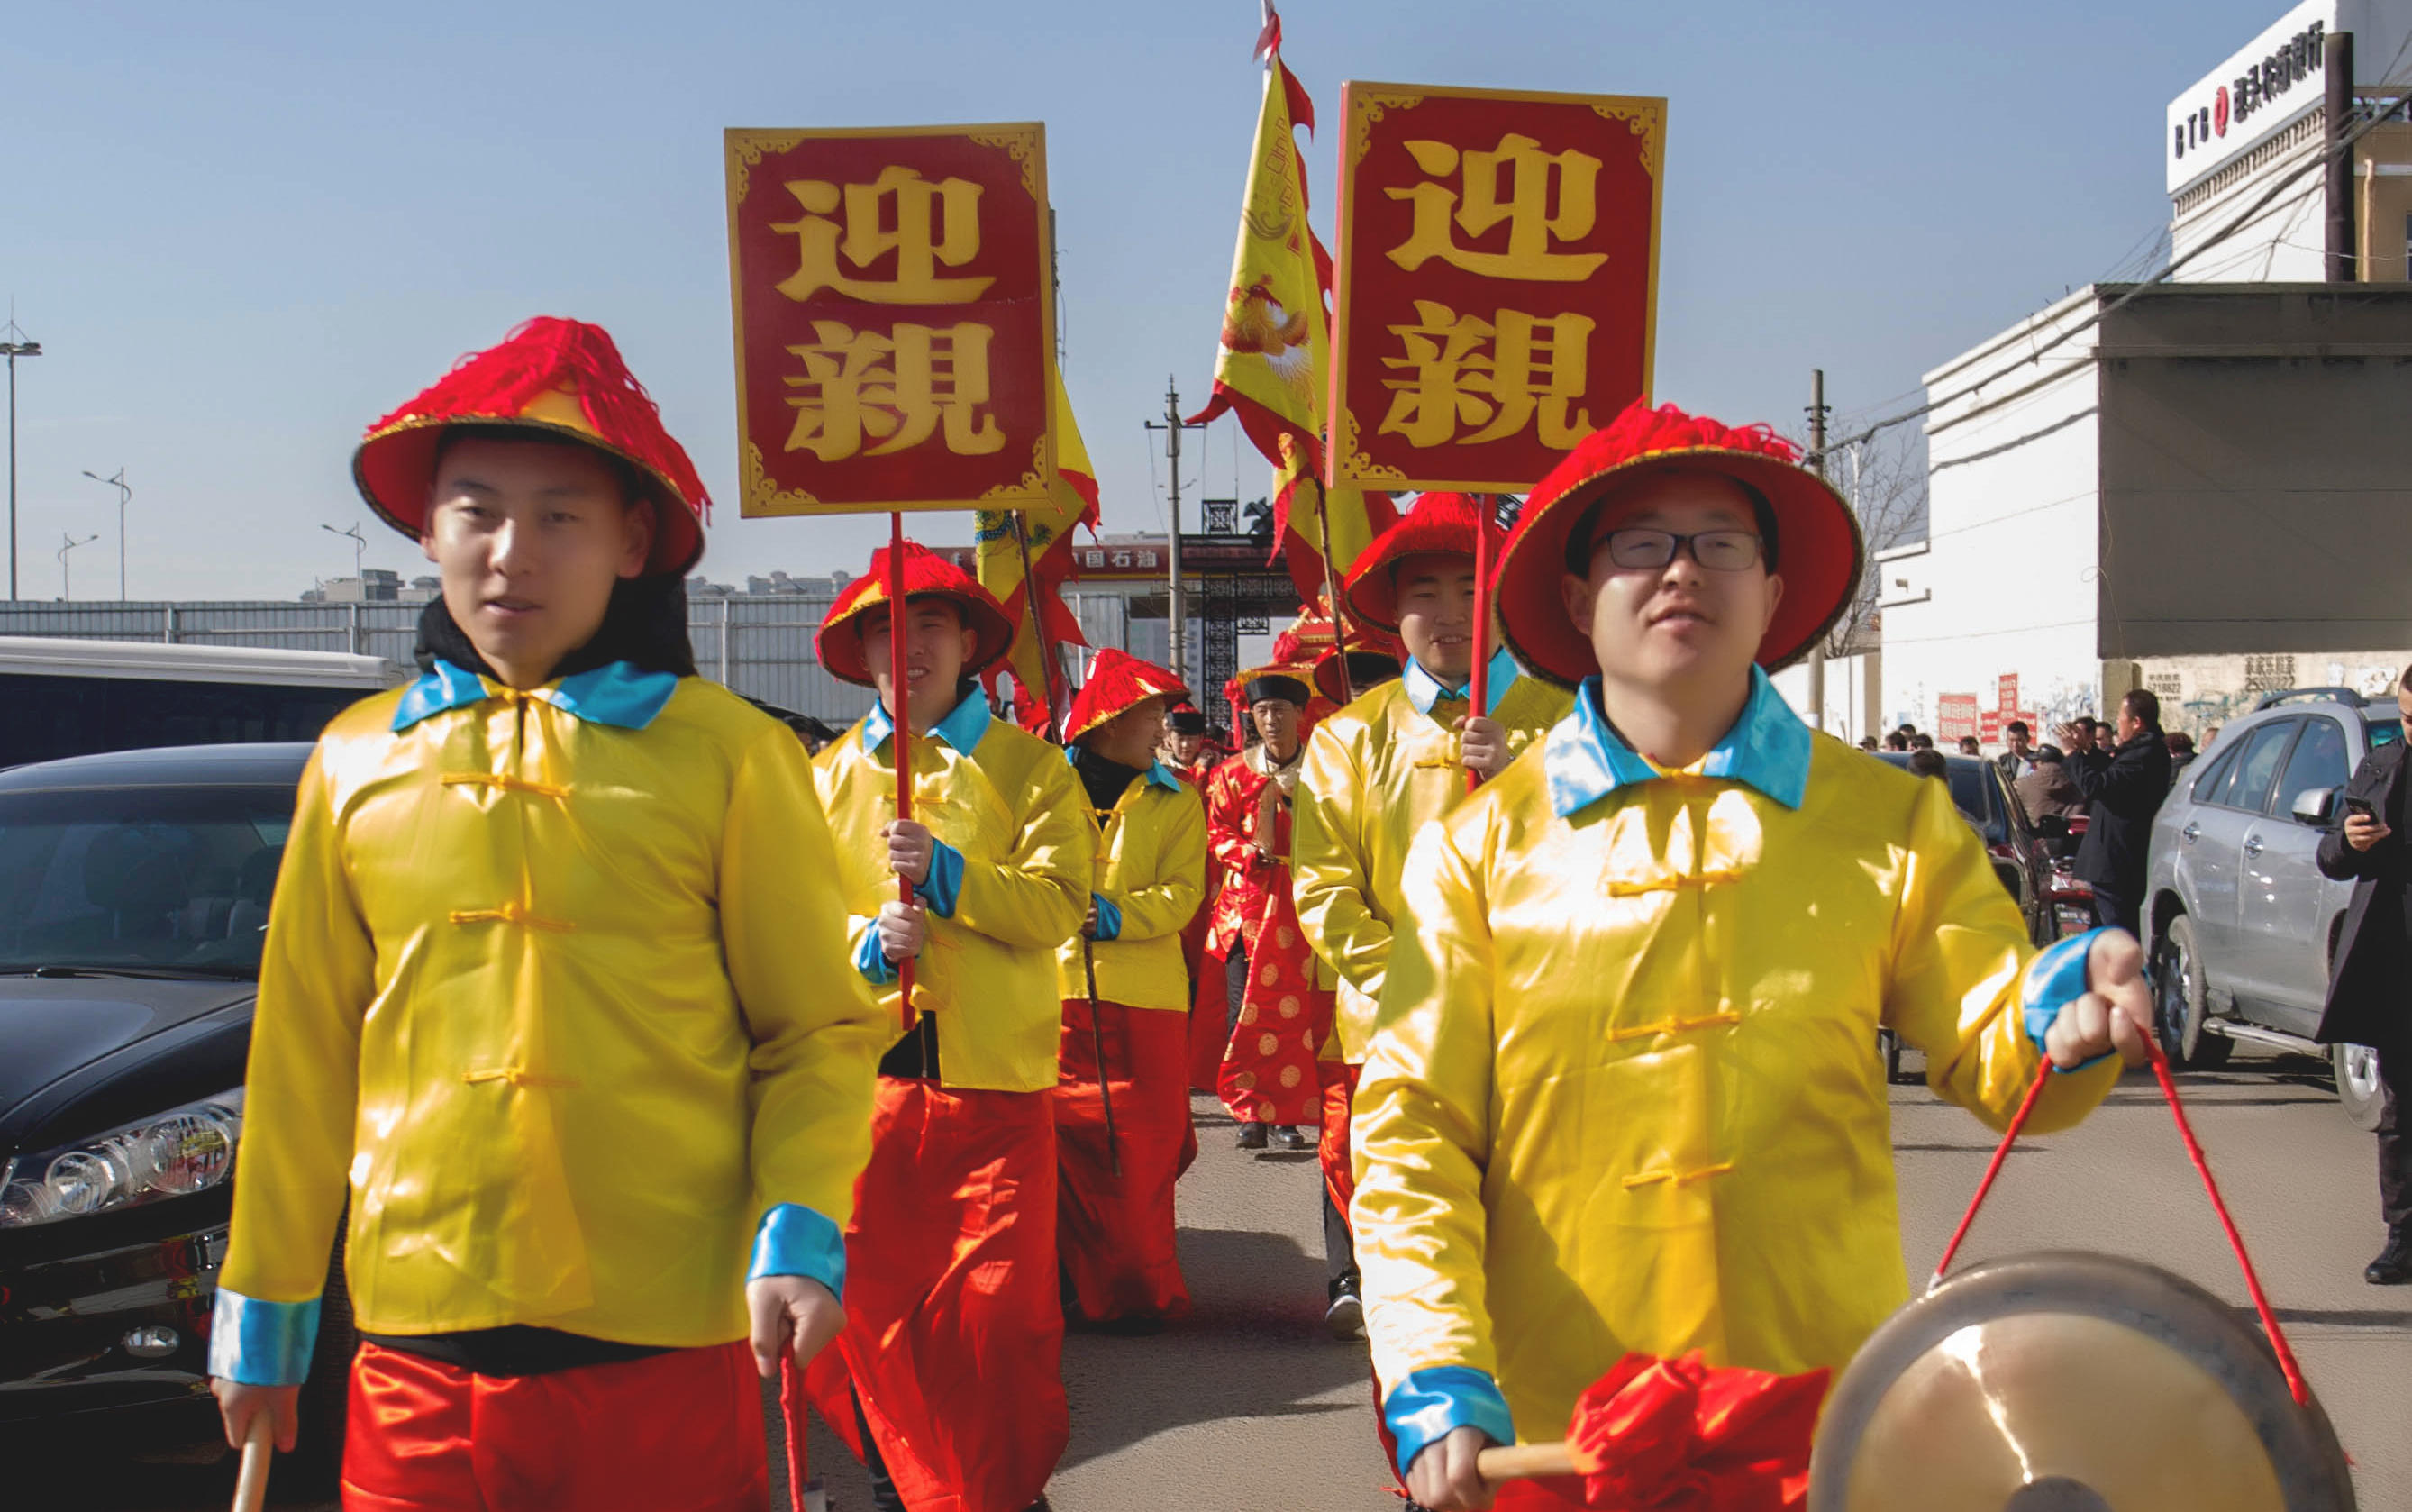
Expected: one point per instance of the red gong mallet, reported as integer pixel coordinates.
(1654, 1432)
(900, 688)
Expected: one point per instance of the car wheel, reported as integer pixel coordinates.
(2181, 1002)
(2360, 1092)
(325, 1395)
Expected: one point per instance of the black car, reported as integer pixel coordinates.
(2021, 852)
(134, 893)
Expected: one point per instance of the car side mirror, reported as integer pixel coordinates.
(2052, 827)
(2315, 805)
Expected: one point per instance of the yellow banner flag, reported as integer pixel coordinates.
(1272, 367)
(1047, 530)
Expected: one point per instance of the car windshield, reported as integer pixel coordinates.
(1972, 794)
(156, 879)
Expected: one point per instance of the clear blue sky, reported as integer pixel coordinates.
(245, 230)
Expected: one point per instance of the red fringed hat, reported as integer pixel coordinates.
(563, 378)
(1118, 681)
(1819, 550)
(927, 574)
(1440, 525)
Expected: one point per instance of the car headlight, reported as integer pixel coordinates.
(171, 1154)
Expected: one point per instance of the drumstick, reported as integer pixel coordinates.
(1529, 1462)
(258, 1442)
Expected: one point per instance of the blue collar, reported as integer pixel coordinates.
(963, 729)
(1767, 748)
(1157, 773)
(1424, 689)
(614, 694)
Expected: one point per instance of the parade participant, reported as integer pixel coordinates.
(1278, 1015)
(1621, 1094)
(1378, 773)
(553, 995)
(947, 1380)
(1184, 742)
(1115, 1235)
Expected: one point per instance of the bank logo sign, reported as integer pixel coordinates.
(2265, 88)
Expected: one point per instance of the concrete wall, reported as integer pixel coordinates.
(2256, 471)
(2006, 583)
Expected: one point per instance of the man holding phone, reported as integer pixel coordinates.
(2125, 785)
(2365, 1004)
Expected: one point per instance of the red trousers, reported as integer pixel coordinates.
(954, 1329)
(675, 1432)
(1114, 1232)
(1339, 1177)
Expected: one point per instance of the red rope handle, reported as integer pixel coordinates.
(2296, 1385)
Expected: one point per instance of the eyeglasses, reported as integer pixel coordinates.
(1719, 551)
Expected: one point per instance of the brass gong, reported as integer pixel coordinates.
(2071, 1382)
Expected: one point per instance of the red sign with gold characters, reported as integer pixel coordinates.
(895, 318)
(1498, 281)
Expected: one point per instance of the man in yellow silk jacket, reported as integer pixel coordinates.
(1377, 772)
(950, 1362)
(1623, 1093)
(555, 995)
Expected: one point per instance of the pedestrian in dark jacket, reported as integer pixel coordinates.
(2124, 787)
(2366, 843)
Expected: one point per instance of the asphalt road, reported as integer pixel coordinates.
(1249, 1406)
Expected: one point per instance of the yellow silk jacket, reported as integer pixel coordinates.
(1009, 807)
(1377, 772)
(555, 993)
(1151, 874)
(1624, 1092)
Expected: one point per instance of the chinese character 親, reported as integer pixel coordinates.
(924, 224)
(1534, 216)
(899, 390)
(1498, 376)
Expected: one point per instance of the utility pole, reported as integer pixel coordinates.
(15, 347)
(1176, 603)
(2336, 73)
(1817, 462)
(124, 493)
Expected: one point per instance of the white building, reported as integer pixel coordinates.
(2196, 487)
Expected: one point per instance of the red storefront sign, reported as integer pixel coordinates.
(1497, 281)
(895, 319)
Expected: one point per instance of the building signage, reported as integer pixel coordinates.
(2267, 87)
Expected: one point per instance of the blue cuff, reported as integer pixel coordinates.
(796, 1241)
(1109, 918)
(872, 960)
(1424, 1407)
(2054, 979)
(944, 885)
(262, 1344)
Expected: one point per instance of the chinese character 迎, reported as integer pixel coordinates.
(924, 224)
(1534, 220)
(897, 389)
(1500, 376)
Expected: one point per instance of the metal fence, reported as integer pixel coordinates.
(757, 644)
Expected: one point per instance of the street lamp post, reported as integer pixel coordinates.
(360, 545)
(15, 347)
(65, 591)
(124, 491)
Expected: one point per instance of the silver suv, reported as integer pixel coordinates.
(2241, 925)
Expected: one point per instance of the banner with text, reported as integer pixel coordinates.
(895, 319)
(1497, 287)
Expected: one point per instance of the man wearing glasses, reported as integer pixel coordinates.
(1620, 1095)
